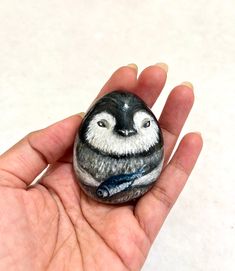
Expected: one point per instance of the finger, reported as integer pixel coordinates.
(148, 87)
(26, 160)
(152, 209)
(174, 115)
(124, 78)
(151, 82)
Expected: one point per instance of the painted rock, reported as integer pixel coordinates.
(118, 150)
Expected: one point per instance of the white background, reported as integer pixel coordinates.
(56, 54)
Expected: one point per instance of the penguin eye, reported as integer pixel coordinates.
(146, 124)
(103, 123)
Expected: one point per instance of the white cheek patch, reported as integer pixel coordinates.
(99, 136)
(150, 133)
(106, 140)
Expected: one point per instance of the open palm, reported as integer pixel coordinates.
(53, 225)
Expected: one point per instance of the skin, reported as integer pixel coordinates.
(53, 225)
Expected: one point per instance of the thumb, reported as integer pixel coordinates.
(21, 164)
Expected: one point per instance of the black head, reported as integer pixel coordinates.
(120, 104)
(120, 123)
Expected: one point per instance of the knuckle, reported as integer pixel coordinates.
(161, 194)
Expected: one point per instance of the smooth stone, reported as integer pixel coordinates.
(118, 150)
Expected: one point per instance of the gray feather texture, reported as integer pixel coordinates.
(100, 166)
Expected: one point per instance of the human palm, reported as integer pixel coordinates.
(53, 225)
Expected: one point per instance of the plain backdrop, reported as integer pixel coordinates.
(55, 55)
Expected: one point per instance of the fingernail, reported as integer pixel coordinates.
(133, 66)
(198, 133)
(162, 66)
(187, 84)
(82, 114)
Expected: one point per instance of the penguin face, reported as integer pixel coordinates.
(102, 134)
(128, 128)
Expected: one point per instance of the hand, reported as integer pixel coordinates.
(53, 225)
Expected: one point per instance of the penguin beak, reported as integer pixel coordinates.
(126, 133)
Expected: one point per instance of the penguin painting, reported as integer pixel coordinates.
(118, 150)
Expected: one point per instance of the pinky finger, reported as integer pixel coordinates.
(152, 209)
